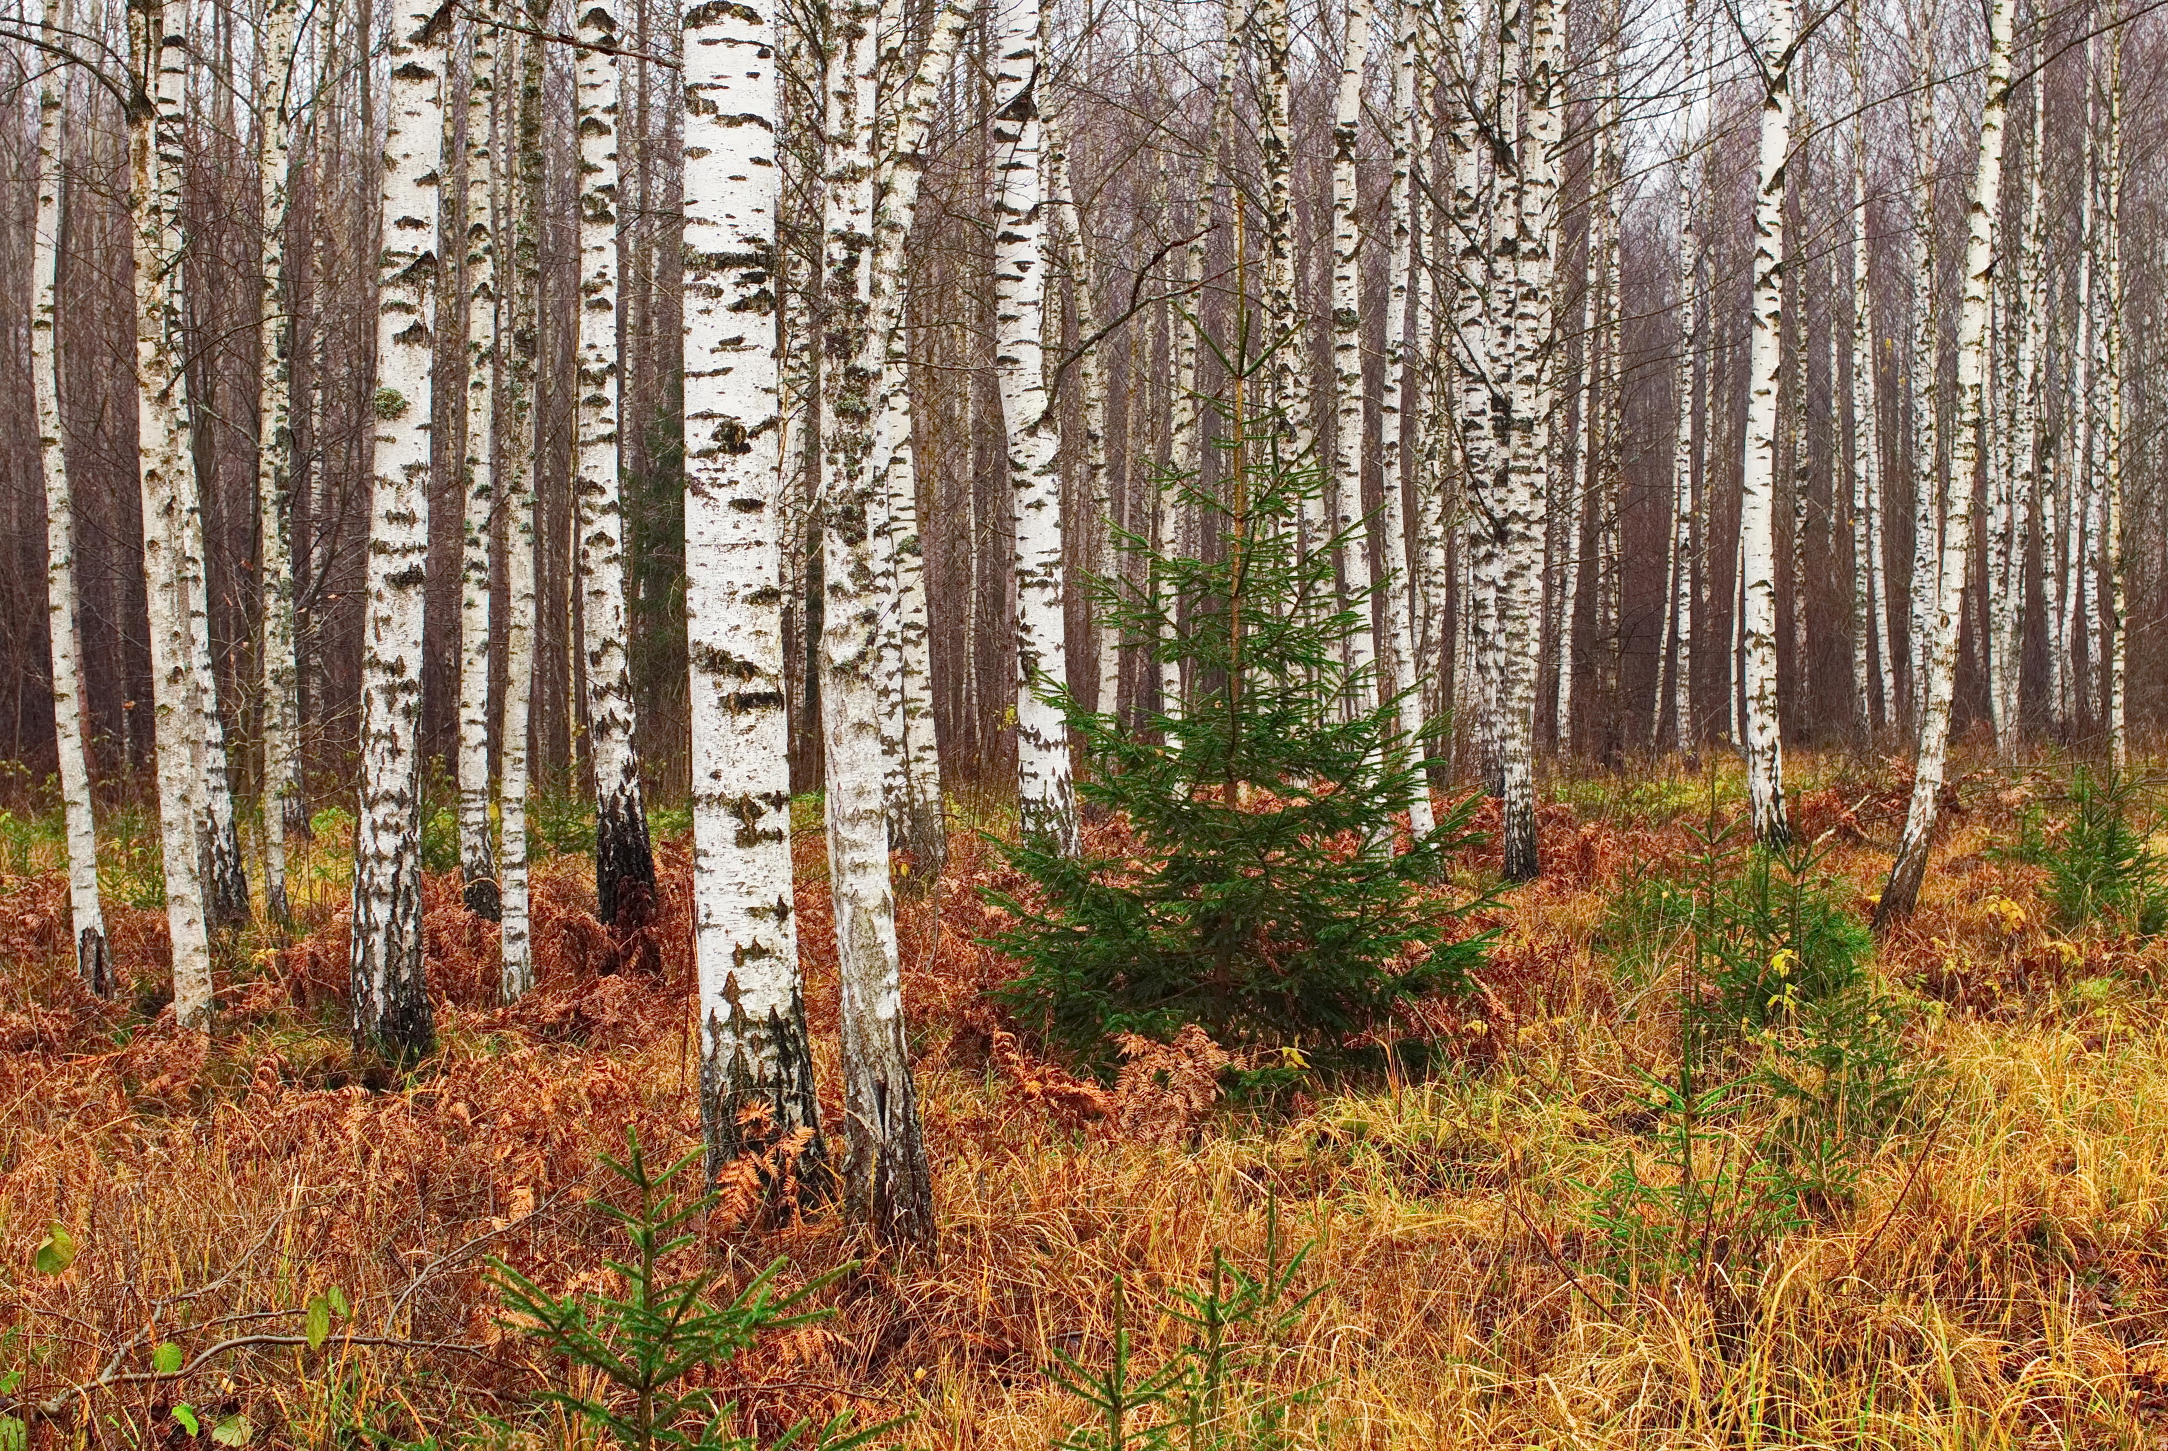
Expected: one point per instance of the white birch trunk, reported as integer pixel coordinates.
(1517, 520)
(1091, 368)
(624, 861)
(1484, 233)
(86, 914)
(521, 322)
(756, 1063)
(1283, 329)
(1046, 796)
(477, 855)
(225, 872)
(1434, 485)
(391, 1000)
(2028, 399)
(1399, 669)
(155, 162)
(283, 810)
(1679, 604)
(902, 167)
(515, 920)
(1901, 894)
(2117, 652)
(1872, 676)
(886, 1176)
(1922, 373)
(1347, 358)
(1757, 533)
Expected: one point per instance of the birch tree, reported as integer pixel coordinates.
(1517, 508)
(218, 832)
(902, 166)
(1484, 232)
(477, 855)
(391, 1000)
(283, 811)
(2030, 297)
(754, 1050)
(1283, 328)
(1679, 597)
(1046, 795)
(85, 913)
(2117, 652)
(1347, 352)
(1873, 677)
(624, 861)
(1399, 666)
(1924, 367)
(1772, 49)
(1106, 641)
(521, 319)
(156, 158)
(885, 1173)
(1901, 894)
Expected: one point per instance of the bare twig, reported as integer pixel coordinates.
(58, 1403)
(558, 37)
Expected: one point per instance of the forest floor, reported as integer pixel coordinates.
(1501, 1251)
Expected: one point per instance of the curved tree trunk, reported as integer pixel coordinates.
(391, 999)
(86, 914)
(1901, 894)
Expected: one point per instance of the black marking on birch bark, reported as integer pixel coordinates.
(94, 962)
(227, 877)
(776, 1075)
(483, 898)
(622, 851)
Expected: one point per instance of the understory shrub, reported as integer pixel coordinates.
(2101, 868)
(1792, 1060)
(1251, 881)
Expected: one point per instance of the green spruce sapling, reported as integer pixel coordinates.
(1257, 889)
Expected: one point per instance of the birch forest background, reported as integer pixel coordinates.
(1083, 724)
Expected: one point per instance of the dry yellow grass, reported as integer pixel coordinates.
(1999, 1279)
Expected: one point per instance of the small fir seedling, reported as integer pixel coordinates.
(1257, 888)
(644, 1342)
(2102, 868)
(1214, 1393)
